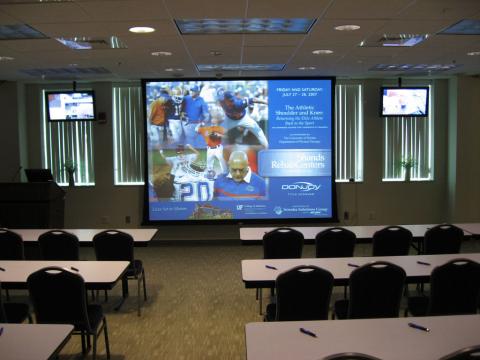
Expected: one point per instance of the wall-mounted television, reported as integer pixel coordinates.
(239, 150)
(70, 105)
(404, 101)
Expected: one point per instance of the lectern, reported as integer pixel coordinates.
(32, 205)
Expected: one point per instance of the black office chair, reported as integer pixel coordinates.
(59, 245)
(11, 248)
(59, 297)
(443, 239)
(350, 356)
(392, 241)
(454, 290)
(11, 245)
(335, 242)
(375, 292)
(114, 245)
(281, 243)
(14, 313)
(468, 353)
(303, 293)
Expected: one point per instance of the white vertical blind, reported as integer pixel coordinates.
(128, 135)
(72, 141)
(348, 132)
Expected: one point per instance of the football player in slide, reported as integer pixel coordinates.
(213, 136)
(236, 114)
(194, 183)
(159, 112)
(177, 115)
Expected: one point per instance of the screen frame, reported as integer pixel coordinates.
(383, 88)
(240, 222)
(59, 92)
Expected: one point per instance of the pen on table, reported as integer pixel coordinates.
(2, 269)
(423, 263)
(74, 268)
(270, 267)
(419, 327)
(353, 265)
(307, 332)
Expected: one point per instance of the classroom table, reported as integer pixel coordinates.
(387, 339)
(363, 232)
(98, 275)
(255, 274)
(33, 341)
(141, 237)
(471, 228)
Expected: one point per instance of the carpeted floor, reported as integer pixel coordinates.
(197, 306)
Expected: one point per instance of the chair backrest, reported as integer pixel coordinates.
(303, 293)
(392, 241)
(3, 315)
(58, 296)
(11, 245)
(454, 288)
(335, 242)
(468, 353)
(283, 243)
(376, 290)
(59, 245)
(350, 356)
(443, 239)
(113, 245)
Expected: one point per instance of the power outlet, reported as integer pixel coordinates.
(372, 215)
(104, 220)
(128, 219)
(346, 215)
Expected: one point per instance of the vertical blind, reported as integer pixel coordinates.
(128, 135)
(348, 133)
(68, 141)
(408, 138)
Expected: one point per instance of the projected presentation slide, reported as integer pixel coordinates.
(239, 149)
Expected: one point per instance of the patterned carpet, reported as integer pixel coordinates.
(197, 306)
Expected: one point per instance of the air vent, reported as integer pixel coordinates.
(87, 43)
(68, 72)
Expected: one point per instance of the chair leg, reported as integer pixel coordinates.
(84, 348)
(139, 279)
(105, 332)
(144, 286)
(94, 350)
(7, 295)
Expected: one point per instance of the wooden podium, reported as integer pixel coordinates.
(32, 205)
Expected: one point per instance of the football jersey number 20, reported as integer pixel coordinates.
(196, 191)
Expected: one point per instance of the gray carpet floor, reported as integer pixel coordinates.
(197, 304)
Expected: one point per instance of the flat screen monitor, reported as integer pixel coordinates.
(404, 101)
(38, 175)
(239, 150)
(70, 105)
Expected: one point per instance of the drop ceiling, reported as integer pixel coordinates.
(100, 20)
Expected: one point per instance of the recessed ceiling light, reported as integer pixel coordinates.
(6, 58)
(161, 53)
(173, 69)
(347, 27)
(473, 53)
(322, 52)
(141, 29)
(303, 68)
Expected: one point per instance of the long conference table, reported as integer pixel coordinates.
(141, 237)
(98, 275)
(33, 341)
(262, 273)
(363, 232)
(386, 339)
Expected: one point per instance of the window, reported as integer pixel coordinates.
(128, 135)
(68, 141)
(348, 132)
(408, 138)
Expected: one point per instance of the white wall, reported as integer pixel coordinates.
(369, 202)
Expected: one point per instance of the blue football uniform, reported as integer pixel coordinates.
(252, 187)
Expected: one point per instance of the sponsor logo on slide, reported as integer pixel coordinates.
(301, 186)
